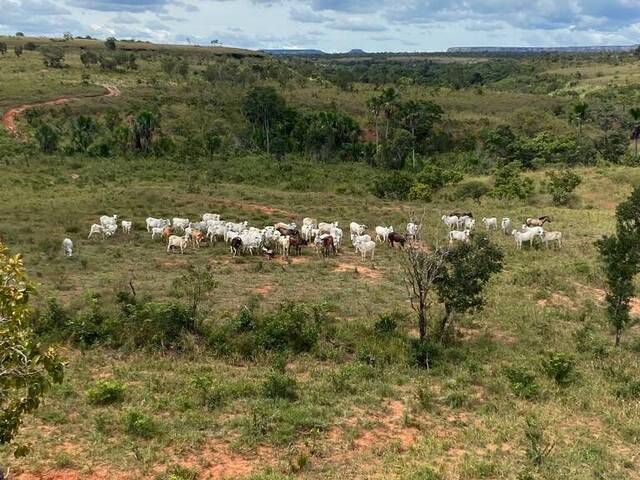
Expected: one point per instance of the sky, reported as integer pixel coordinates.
(335, 25)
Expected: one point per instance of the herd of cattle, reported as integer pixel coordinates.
(326, 238)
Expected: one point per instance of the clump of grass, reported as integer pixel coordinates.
(559, 367)
(523, 382)
(106, 392)
(139, 424)
(280, 385)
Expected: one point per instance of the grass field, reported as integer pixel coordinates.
(383, 418)
(354, 405)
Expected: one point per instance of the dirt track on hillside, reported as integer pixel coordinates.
(9, 117)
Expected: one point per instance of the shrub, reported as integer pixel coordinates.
(387, 323)
(562, 184)
(559, 367)
(423, 353)
(280, 385)
(139, 424)
(630, 390)
(292, 326)
(53, 322)
(210, 393)
(157, 324)
(523, 382)
(106, 392)
(395, 185)
(473, 189)
(509, 183)
(420, 191)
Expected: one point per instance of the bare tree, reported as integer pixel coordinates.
(422, 270)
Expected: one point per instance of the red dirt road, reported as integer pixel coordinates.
(9, 117)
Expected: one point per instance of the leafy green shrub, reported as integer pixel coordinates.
(395, 185)
(538, 448)
(587, 341)
(560, 367)
(420, 191)
(280, 385)
(387, 323)
(210, 393)
(139, 424)
(106, 392)
(53, 322)
(473, 189)
(630, 390)
(509, 182)
(89, 327)
(562, 184)
(523, 382)
(423, 353)
(436, 177)
(292, 326)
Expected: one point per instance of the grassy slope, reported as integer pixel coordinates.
(473, 425)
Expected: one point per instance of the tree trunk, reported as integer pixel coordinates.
(422, 321)
(618, 335)
(266, 134)
(444, 322)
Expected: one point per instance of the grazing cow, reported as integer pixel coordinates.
(550, 237)
(214, 232)
(67, 246)
(328, 246)
(157, 223)
(285, 226)
(357, 229)
(157, 231)
(505, 225)
(236, 246)
(538, 222)
(126, 226)
(462, 236)
(312, 222)
(177, 242)
(285, 243)
(180, 223)
(307, 232)
(539, 231)
(196, 237)
(490, 223)
(382, 233)
(526, 236)
(412, 230)
(366, 247)
(450, 221)
(396, 238)
(208, 217)
(297, 243)
(466, 222)
(107, 231)
(166, 233)
(106, 220)
(324, 227)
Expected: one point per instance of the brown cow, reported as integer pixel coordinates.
(197, 236)
(328, 246)
(396, 238)
(166, 233)
(297, 243)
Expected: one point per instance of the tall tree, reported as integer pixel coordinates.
(27, 369)
(419, 116)
(144, 128)
(375, 108)
(263, 108)
(390, 99)
(580, 115)
(467, 270)
(83, 131)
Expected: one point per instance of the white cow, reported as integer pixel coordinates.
(356, 239)
(524, 236)
(180, 223)
(552, 237)
(106, 220)
(356, 228)
(456, 235)
(104, 231)
(207, 217)
(337, 234)
(466, 222)
(157, 231)
(310, 221)
(450, 221)
(505, 225)
(157, 223)
(178, 242)
(67, 246)
(214, 232)
(382, 233)
(126, 226)
(412, 230)
(490, 223)
(325, 227)
(284, 246)
(364, 247)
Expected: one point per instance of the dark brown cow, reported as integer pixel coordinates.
(296, 243)
(328, 246)
(395, 237)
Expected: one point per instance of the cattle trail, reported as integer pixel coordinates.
(9, 117)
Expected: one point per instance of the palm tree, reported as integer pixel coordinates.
(635, 132)
(389, 99)
(144, 127)
(580, 113)
(375, 106)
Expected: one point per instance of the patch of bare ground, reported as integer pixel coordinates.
(557, 300)
(265, 289)
(600, 295)
(102, 473)
(365, 272)
(260, 208)
(216, 461)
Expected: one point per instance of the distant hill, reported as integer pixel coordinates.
(293, 51)
(596, 48)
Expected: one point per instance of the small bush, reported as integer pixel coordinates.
(423, 353)
(523, 382)
(387, 323)
(106, 392)
(280, 385)
(559, 367)
(139, 424)
(561, 185)
(420, 191)
(211, 395)
(473, 189)
(630, 390)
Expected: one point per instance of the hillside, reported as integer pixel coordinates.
(208, 365)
